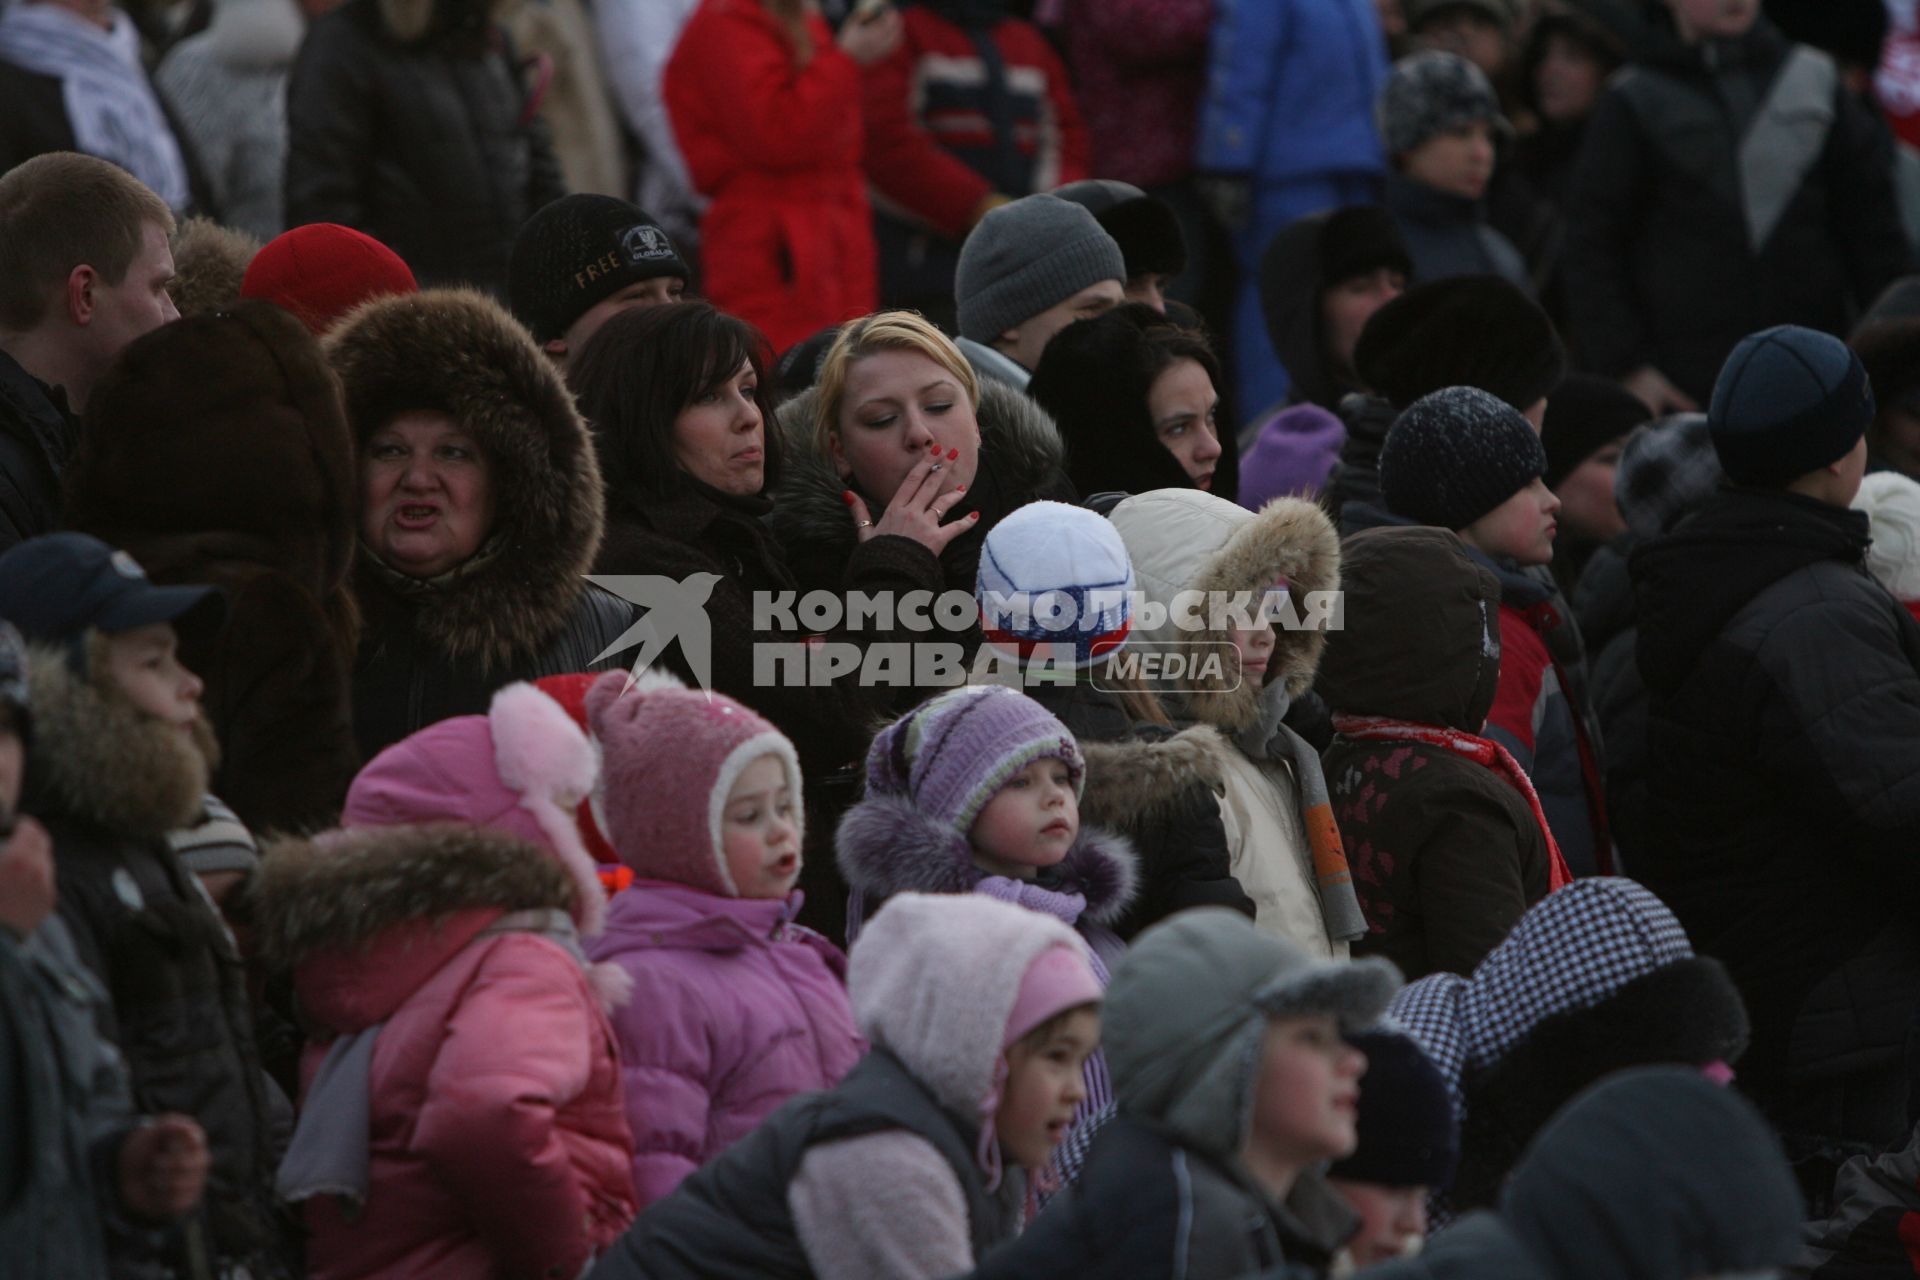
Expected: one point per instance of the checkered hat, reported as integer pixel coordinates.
(1574, 950)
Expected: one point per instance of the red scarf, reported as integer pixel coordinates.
(1482, 751)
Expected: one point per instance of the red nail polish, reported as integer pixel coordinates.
(952, 454)
(846, 496)
(959, 488)
(933, 445)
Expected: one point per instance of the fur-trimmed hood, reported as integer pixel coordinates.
(1130, 780)
(98, 759)
(458, 351)
(887, 846)
(363, 918)
(1018, 445)
(1184, 540)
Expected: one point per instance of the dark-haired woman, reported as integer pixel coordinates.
(682, 415)
(1134, 397)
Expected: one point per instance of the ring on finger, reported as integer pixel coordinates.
(935, 467)
(865, 524)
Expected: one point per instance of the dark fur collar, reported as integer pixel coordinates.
(352, 886)
(457, 350)
(1687, 1014)
(96, 758)
(1014, 431)
(887, 846)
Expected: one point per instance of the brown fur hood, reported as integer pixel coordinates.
(97, 759)
(348, 888)
(1131, 780)
(1187, 540)
(209, 263)
(458, 351)
(221, 439)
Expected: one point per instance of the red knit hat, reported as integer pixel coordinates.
(323, 270)
(570, 691)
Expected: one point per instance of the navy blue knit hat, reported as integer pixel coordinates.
(1455, 455)
(1409, 1135)
(1789, 400)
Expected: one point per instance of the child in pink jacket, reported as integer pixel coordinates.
(736, 1007)
(461, 1107)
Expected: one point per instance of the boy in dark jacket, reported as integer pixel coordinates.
(1728, 181)
(1783, 745)
(1464, 460)
(1446, 852)
(120, 761)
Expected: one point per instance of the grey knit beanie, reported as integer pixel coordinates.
(1455, 455)
(1026, 256)
(1433, 93)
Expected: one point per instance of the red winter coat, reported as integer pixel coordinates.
(499, 1146)
(788, 238)
(926, 116)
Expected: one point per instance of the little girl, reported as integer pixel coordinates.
(978, 791)
(737, 1007)
(913, 1167)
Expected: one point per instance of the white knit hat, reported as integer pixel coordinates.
(1052, 574)
(1892, 504)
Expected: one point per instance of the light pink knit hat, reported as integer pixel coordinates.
(520, 769)
(669, 759)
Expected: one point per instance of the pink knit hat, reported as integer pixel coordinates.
(1059, 979)
(670, 758)
(520, 769)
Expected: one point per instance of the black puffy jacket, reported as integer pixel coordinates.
(1783, 795)
(407, 120)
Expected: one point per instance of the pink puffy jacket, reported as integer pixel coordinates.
(734, 1011)
(499, 1146)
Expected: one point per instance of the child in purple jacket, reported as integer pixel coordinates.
(735, 1007)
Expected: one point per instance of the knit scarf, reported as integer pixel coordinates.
(1482, 751)
(110, 103)
(1269, 737)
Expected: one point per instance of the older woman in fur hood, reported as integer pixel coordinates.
(1277, 566)
(480, 513)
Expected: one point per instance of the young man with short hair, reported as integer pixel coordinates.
(84, 269)
(1028, 270)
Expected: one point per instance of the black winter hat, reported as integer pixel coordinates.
(1467, 331)
(1788, 401)
(1455, 455)
(579, 250)
(1585, 414)
(1306, 258)
(1409, 1135)
(1143, 226)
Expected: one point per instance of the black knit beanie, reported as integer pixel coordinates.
(1788, 401)
(1143, 226)
(1467, 331)
(1409, 1136)
(1455, 455)
(1585, 414)
(579, 250)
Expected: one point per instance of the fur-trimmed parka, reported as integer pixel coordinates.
(409, 120)
(1183, 540)
(498, 1145)
(110, 783)
(520, 608)
(217, 451)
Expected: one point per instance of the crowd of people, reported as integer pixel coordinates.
(1100, 638)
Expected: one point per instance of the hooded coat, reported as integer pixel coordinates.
(1596, 978)
(787, 237)
(1446, 855)
(408, 120)
(878, 1176)
(110, 783)
(520, 607)
(740, 1011)
(498, 1145)
(1165, 1191)
(1696, 221)
(1182, 540)
(217, 452)
(1784, 794)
